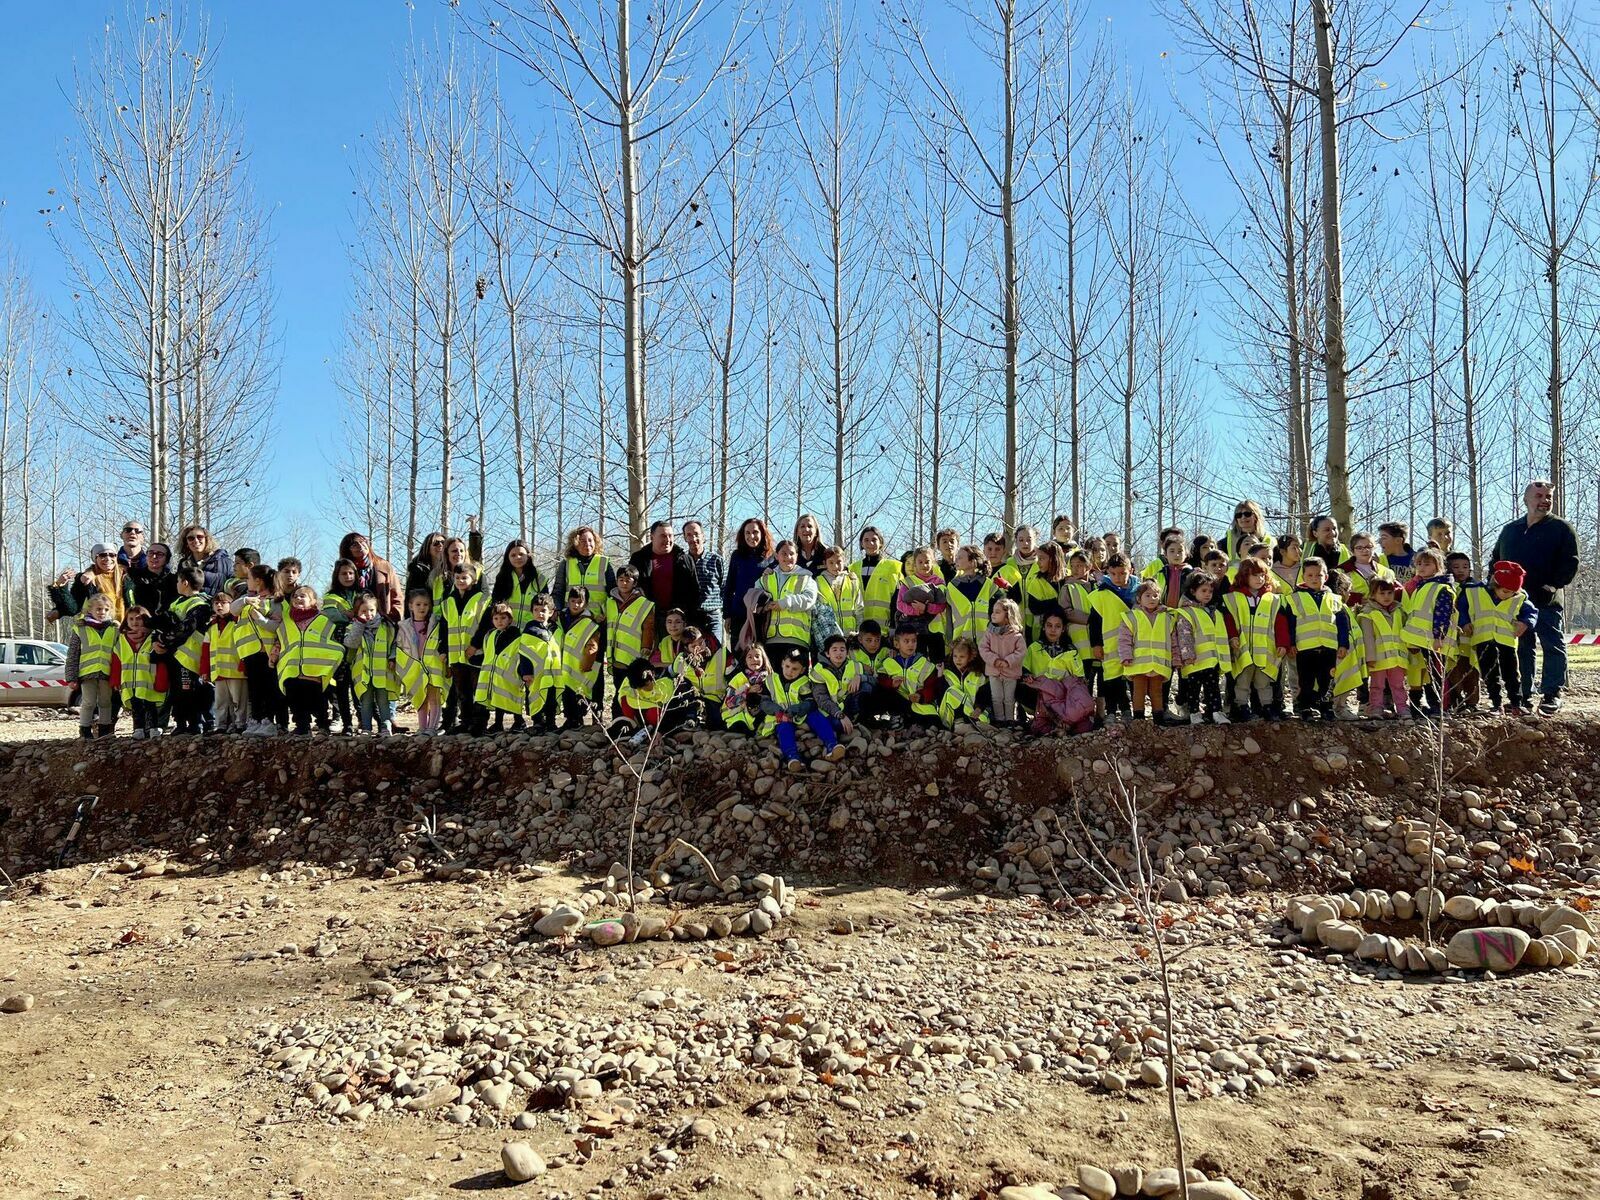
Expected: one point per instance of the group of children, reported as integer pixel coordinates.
(1051, 633)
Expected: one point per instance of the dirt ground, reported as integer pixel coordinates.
(141, 1068)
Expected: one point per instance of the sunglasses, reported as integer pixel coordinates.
(132, 529)
(197, 537)
(1239, 516)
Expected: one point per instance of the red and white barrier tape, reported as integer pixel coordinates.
(28, 683)
(1584, 639)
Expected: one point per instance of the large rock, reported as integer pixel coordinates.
(1096, 1184)
(1565, 917)
(1462, 908)
(559, 923)
(521, 1162)
(1339, 935)
(1493, 949)
(1575, 942)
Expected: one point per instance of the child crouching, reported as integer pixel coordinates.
(787, 703)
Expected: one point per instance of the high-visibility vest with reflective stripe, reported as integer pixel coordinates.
(1078, 600)
(521, 598)
(968, 618)
(908, 680)
(1361, 586)
(419, 669)
(1388, 646)
(374, 662)
(461, 621)
(227, 646)
(543, 650)
(786, 693)
(710, 681)
(837, 683)
(845, 600)
(1493, 621)
(1419, 606)
(657, 693)
(1113, 612)
(1258, 633)
(184, 605)
(500, 685)
(95, 648)
(265, 637)
(1349, 672)
(574, 639)
(960, 699)
(1048, 663)
(1210, 639)
(1017, 574)
(1315, 624)
(625, 629)
(871, 665)
(591, 578)
(1230, 543)
(877, 591)
(1152, 643)
(734, 714)
(337, 608)
(138, 670)
(786, 624)
(312, 653)
(1036, 587)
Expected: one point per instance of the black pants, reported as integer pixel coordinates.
(261, 681)
(458, 704)
(931, 646)
(1115, 693)
(342, 692)
(573, 708)
(1202, 690)
(1315, 668)
(307, 702)
(544, 719)
(191, 704)
(1498, 665)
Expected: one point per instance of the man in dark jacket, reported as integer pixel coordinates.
(668, 577)
(1547, 549)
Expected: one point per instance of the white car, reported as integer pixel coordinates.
(26, 661)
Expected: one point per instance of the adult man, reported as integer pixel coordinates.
(1547, 549)
(667, 576)
(131, 556)
(711, 571)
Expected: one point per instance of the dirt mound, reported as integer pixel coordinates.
(1291, 807)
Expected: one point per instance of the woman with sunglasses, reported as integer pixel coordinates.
(197, 548)
(1248, 522)
(103, 577)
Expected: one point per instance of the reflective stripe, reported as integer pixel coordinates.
(1388, 647)
(734, 714)
(187, 655)
(591, 578)
(420, 668)
(871, 665)
(1113, 612)
(95, 648)
(786, 624)
(460, 623)
(1210, 639)
(1258, 635)
(1059, 663)
(1315, 627)
(1419, 605)
(1361, 586)
(877, 592)
(845, 600)
(500, 685)
(908, 681)
(312, 653)
(1492, 620)
(1349, 673)
(709, 682)
(968, 618)
(1152, 643)
(521, 598)
(138, 671)
(786, 693)
(543, 651)
(836, 685)
(625, 629)
(1078, 601)
(573, 641)
(960, 699)
(372, 658)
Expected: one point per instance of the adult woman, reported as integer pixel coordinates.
(104, 577)
(752, 551)
(1325, 543)
(197, 548)
(1248, 521)
(516, 583)
(808, 546)
(425, 563)
(373, 574)
(154, 583)
(585, 565)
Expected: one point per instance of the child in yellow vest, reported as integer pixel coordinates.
(462, 613)
(308, 653)
(91, 646)
(1350, 674)
(582, 641)
(543, 650)
(268, 713)
(1203, 641)
(1314, 630)
(139, 673)
(965, 686)
(504, 673)
(224, 648)
(787, 704)
(369, 643)
(741, 703)
(1109, 605)
(1147, 646)
(422, 674)
(1251, 613)
(1382, 618)
(1501, 615)
(700, 678)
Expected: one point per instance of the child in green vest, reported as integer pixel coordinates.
(370, 645)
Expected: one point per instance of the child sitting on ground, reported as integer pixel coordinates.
(910, 683)
(966, 687)
(787, 703)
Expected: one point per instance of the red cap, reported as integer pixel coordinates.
(1508, 575)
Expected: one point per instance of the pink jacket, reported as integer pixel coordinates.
(1002, 651)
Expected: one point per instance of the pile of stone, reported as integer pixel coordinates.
(1101, 1183)
(770, 901)
(1497, 936)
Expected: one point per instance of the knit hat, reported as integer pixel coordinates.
(102, 548)
(1509, 575)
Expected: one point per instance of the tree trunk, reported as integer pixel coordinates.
(1338, 431)
(1008, 225)
(632, 269)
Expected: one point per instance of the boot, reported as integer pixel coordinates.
(86, 732)
(104, 731)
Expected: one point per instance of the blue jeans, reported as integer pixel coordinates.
(820, 725)
(376, 703)
(1552, 640)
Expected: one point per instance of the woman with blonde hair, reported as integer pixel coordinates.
(585, 565)
(1248, 521)
(197, 548)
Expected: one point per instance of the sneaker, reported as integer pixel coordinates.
(386, 729)
(836, 753)
(138, 735)
(1196, 719)
(1549, 706)
(797, 766)
(640, 737)
(153, 733)
(1220, 718)
(1514, 710)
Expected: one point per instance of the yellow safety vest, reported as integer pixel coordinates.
(1258, 633)
(709, 682)
(95, 648)
(184, 605)
(1388, 646)
(227, 648)
(785, 624)
(1210, 639)
(1361, 587)
(374, 661)
(786, 693)
(1078, 599)
(968, 618)
(1493, 621)
(657, 693)
(1036, 587)
(1349, 672)
(736, 715)
(521, 599)
(837, 684)
(500, 685)
(312, 653)
(591, 578)
(460, 623)
(573, 641)
(544, 652)
(960, 699)
(625, 629)
(908, 679)
(871, 665)
(336, 607)
(844, 599)
(1315, 624)
(265, 637)
(138, 671)
(1419, 605)
(1046, 663)
(1017, 574)
(1152, 643)
(877, 591)
(421, 668)
(1113, 612)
